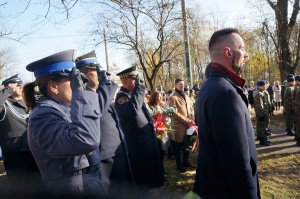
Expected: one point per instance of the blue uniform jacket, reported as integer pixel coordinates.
(141, 139)
(115, 166)
(227, 161)
(61, 139)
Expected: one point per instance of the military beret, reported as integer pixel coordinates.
(13, 79)
(88, 60)
(297, 78)
(59, 64)
(186, 88)
(267, 82)
(260, 83)
(291, 79)
(129, 72)
(289, 75)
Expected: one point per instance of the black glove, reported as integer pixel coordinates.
(138, 80)
(262, 118)
(77, 80)
(102, 76)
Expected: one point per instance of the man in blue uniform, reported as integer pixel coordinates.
(115, 168)
(19, 163)
(139, 131)
(227, 161)
(64, 127)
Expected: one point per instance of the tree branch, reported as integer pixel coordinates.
(272, 4)
(296, 8)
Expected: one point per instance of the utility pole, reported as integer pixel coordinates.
(105, 49)
(266, 34)
(186, 45)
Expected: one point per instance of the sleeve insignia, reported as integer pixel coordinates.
(122, 100)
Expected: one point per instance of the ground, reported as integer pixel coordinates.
(279, 168)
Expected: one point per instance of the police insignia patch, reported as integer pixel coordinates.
(122, 100)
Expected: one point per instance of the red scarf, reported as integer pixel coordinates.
(237, 79)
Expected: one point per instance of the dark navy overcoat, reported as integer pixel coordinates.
(227, 162)
(140, 136)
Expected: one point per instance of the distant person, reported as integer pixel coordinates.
(251, 90)
(183, 119)
(156, 105)
(268, 104)
(297, 110)
(277, 95)
(227, 161)
(288, 105)
(19, 164)
(262, 113)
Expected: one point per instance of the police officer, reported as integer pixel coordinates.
(261, 110)
(19, 163)
(139, 131)
(64, 127)
(115, 168)
(288, 105)
(297, 110)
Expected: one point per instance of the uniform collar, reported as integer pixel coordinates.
(124, 89)
(234, 77)
(50, 100)
(17, 102)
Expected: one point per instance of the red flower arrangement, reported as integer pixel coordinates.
(162, 121)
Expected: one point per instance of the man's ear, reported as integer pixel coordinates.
(227, 52)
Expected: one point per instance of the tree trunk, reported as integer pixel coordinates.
(284, 29)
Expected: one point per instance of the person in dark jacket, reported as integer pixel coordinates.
(115, 167)
(139, 131)
(251, 90)
(227, 161)
(19, 163)
(64, 127)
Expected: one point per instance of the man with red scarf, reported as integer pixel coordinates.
(227, 162)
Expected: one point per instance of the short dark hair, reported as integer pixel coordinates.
(220, 33)
(178, 80)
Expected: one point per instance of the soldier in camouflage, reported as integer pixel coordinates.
(267, 102)
(297, 110)
(261, 110)
(288, 105)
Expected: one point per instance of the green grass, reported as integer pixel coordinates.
(279, 176)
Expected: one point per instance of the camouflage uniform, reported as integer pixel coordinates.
(288, 105)
(267, 102)
(261, 111)
(297, 114)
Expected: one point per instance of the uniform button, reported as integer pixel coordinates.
(97, 112)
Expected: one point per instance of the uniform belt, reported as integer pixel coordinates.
(86, 170)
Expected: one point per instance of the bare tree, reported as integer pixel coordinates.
(285, 26)
(5, 59)
(148, 28)
(198, 43)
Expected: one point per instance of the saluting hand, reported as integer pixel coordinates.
(138, 80)
(13, 86)
(77, 80)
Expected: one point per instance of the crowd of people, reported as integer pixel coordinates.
(266, 98)
(73, 131)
